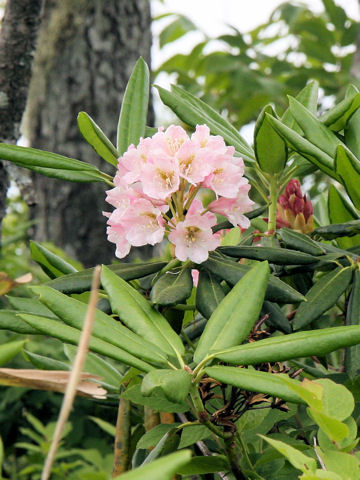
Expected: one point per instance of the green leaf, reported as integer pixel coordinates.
(194, 111)
(175, 384)
(279, 256)
(346, 444)
(167, 444)
(270, 148)
(348, 169)
(255, 381)
(73, 313)
(134, 108)
(337, 230)
(209, 293)
(352, 354)
(192, 434)
(30, 305)
(46, 363)
(276, 317)
(81, 281)
(97, 139)
(337, 118)
(305, 148)
(138, 314)
(341, 211)
(9, 350)
(232, 272)
(351, 133)
(176, 29)
(295, 457)
(9, 320)
(51, 164)
(157, 401)
(334, 429)
(344, 464)
(203, 465)
(52, 264)
(161, 469)
(308, 97)
(173, 287)
(322, 296)
(300, 241)
(337, 400)
(71, 335)
(315, 131)
(295, 345)
(233, 319)
(97, 366)
(105, 426)
(153, 436)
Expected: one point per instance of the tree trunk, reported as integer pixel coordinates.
(87, 50)
(17, 44)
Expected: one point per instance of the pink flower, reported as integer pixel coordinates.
(134, 160)
(171, 140)
(143, 223)
(116, 234)
(195, 276)
(225, 176)
(234, 208)
(193, 237)
(202, 138)
(194, 164)
(160, 177)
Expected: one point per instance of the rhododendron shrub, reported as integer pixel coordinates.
(158, 192)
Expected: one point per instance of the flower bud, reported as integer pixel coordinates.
(294, 210)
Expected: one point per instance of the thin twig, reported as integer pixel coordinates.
(75, 375)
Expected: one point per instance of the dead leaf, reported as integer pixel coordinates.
(7, 283)
(53, 380)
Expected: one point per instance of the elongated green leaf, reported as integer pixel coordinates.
(73, 313)
(351, 133)
(132, 120)
(352, 354)
(28, 157)
(157, 401)
(176, 29)
(47, 363)
(97, 139)
(70, 175)
(346, 465)
(175, 384)
(255, 381)
(322, 296)
(338, 230)
(71, 335)
(294, 345)
(280, 256)
(81, 281)
(153, 436)
(52, 264)
(138, 314)
(30, 305)
(161, 469)
(96, 365)
(348, 169)
(270, 148)
(192, 434)
(173, 287)
(9, 320)
(315, 132)
(296, 458)
(341, 211)
(203, 465)
(232, 272)
(209, 293)
(9, 350)
(333, 428)
(305, 148)
(193, 111)
(276, 317)
(300, 241)
(308, 97)
(236, 314)
(337, 118)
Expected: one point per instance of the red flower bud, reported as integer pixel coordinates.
(294, 210)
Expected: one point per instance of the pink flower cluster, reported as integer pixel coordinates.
(155, 192)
